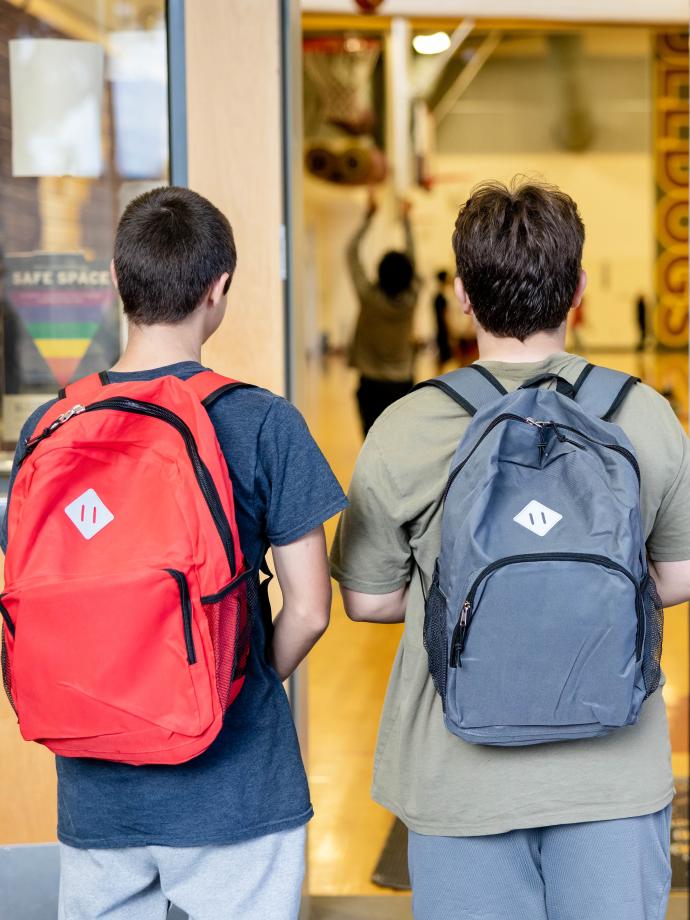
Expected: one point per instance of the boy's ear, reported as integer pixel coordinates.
(113, 275)
(217, 290)
(463, 299)
(579, 290)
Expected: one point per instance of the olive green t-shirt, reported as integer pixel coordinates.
(434, 781)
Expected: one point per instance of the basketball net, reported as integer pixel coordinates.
(341, 70)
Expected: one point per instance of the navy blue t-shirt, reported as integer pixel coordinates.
(251, 781)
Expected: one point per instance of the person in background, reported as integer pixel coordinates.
(382, 349)
(443, 349)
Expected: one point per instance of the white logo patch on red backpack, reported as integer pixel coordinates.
(88, 514)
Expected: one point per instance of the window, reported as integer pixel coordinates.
(83, 130)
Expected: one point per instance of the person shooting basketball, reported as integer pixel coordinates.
(382, 349)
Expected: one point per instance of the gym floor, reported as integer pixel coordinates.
(349, 830)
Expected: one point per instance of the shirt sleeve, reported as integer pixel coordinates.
(371, 551)
(299, 487)
(669, 540)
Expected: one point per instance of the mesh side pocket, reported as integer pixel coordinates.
(653, 636)
(6, 671)
(435, 637)
(230, 624)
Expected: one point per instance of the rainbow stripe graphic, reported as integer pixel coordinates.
(61, 316)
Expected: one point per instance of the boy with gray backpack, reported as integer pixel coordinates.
(527, 518)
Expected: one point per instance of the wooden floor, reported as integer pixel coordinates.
(386, 908)
(347, 677)
(348, 671)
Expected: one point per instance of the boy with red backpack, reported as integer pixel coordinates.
(137, 638)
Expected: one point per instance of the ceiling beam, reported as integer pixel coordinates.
(447, 102)
(621, 11)
(438, 63)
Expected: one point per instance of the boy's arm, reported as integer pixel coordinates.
(668, 545)
(375, 608)
(302, 571)
(672, 581)
(299, 492)
(405, 208)
(371, 556)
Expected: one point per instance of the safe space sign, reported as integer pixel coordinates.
(60, 323)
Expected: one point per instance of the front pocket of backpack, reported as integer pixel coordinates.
(551, 640)
(98, 656)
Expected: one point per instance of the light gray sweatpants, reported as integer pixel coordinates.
(597, 870)
(257, 880)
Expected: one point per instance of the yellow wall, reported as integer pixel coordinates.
(235, 159)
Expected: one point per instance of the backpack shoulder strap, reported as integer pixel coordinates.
(601, 391)
(471, 387)
(209, 386)
(84, 389)
(564, 387)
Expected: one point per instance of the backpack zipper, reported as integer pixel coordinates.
(203, 476)
(541, 425)
(186, 603)
(623, 451)
(462, 627)
(504, 417)
(4, 613)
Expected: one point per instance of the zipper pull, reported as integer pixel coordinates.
(66, 416)
(459, 644)
(559, 434)
(32, 443)
(540, 426)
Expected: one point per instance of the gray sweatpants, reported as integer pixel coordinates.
(257, 880)
(600, 870)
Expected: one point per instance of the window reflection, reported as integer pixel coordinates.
(83, 129)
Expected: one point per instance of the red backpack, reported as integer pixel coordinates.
(126, 613)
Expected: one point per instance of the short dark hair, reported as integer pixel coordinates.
(518, 251)
(171, 245)
(396, 273)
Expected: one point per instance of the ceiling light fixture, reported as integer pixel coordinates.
(431, 44)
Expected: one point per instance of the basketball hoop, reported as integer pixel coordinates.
(368, 6)
(341, 70)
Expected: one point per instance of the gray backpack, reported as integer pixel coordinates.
(542, 622)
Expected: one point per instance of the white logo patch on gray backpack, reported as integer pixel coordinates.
(542, 622)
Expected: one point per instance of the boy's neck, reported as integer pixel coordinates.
(149, 347)
(536, 348)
